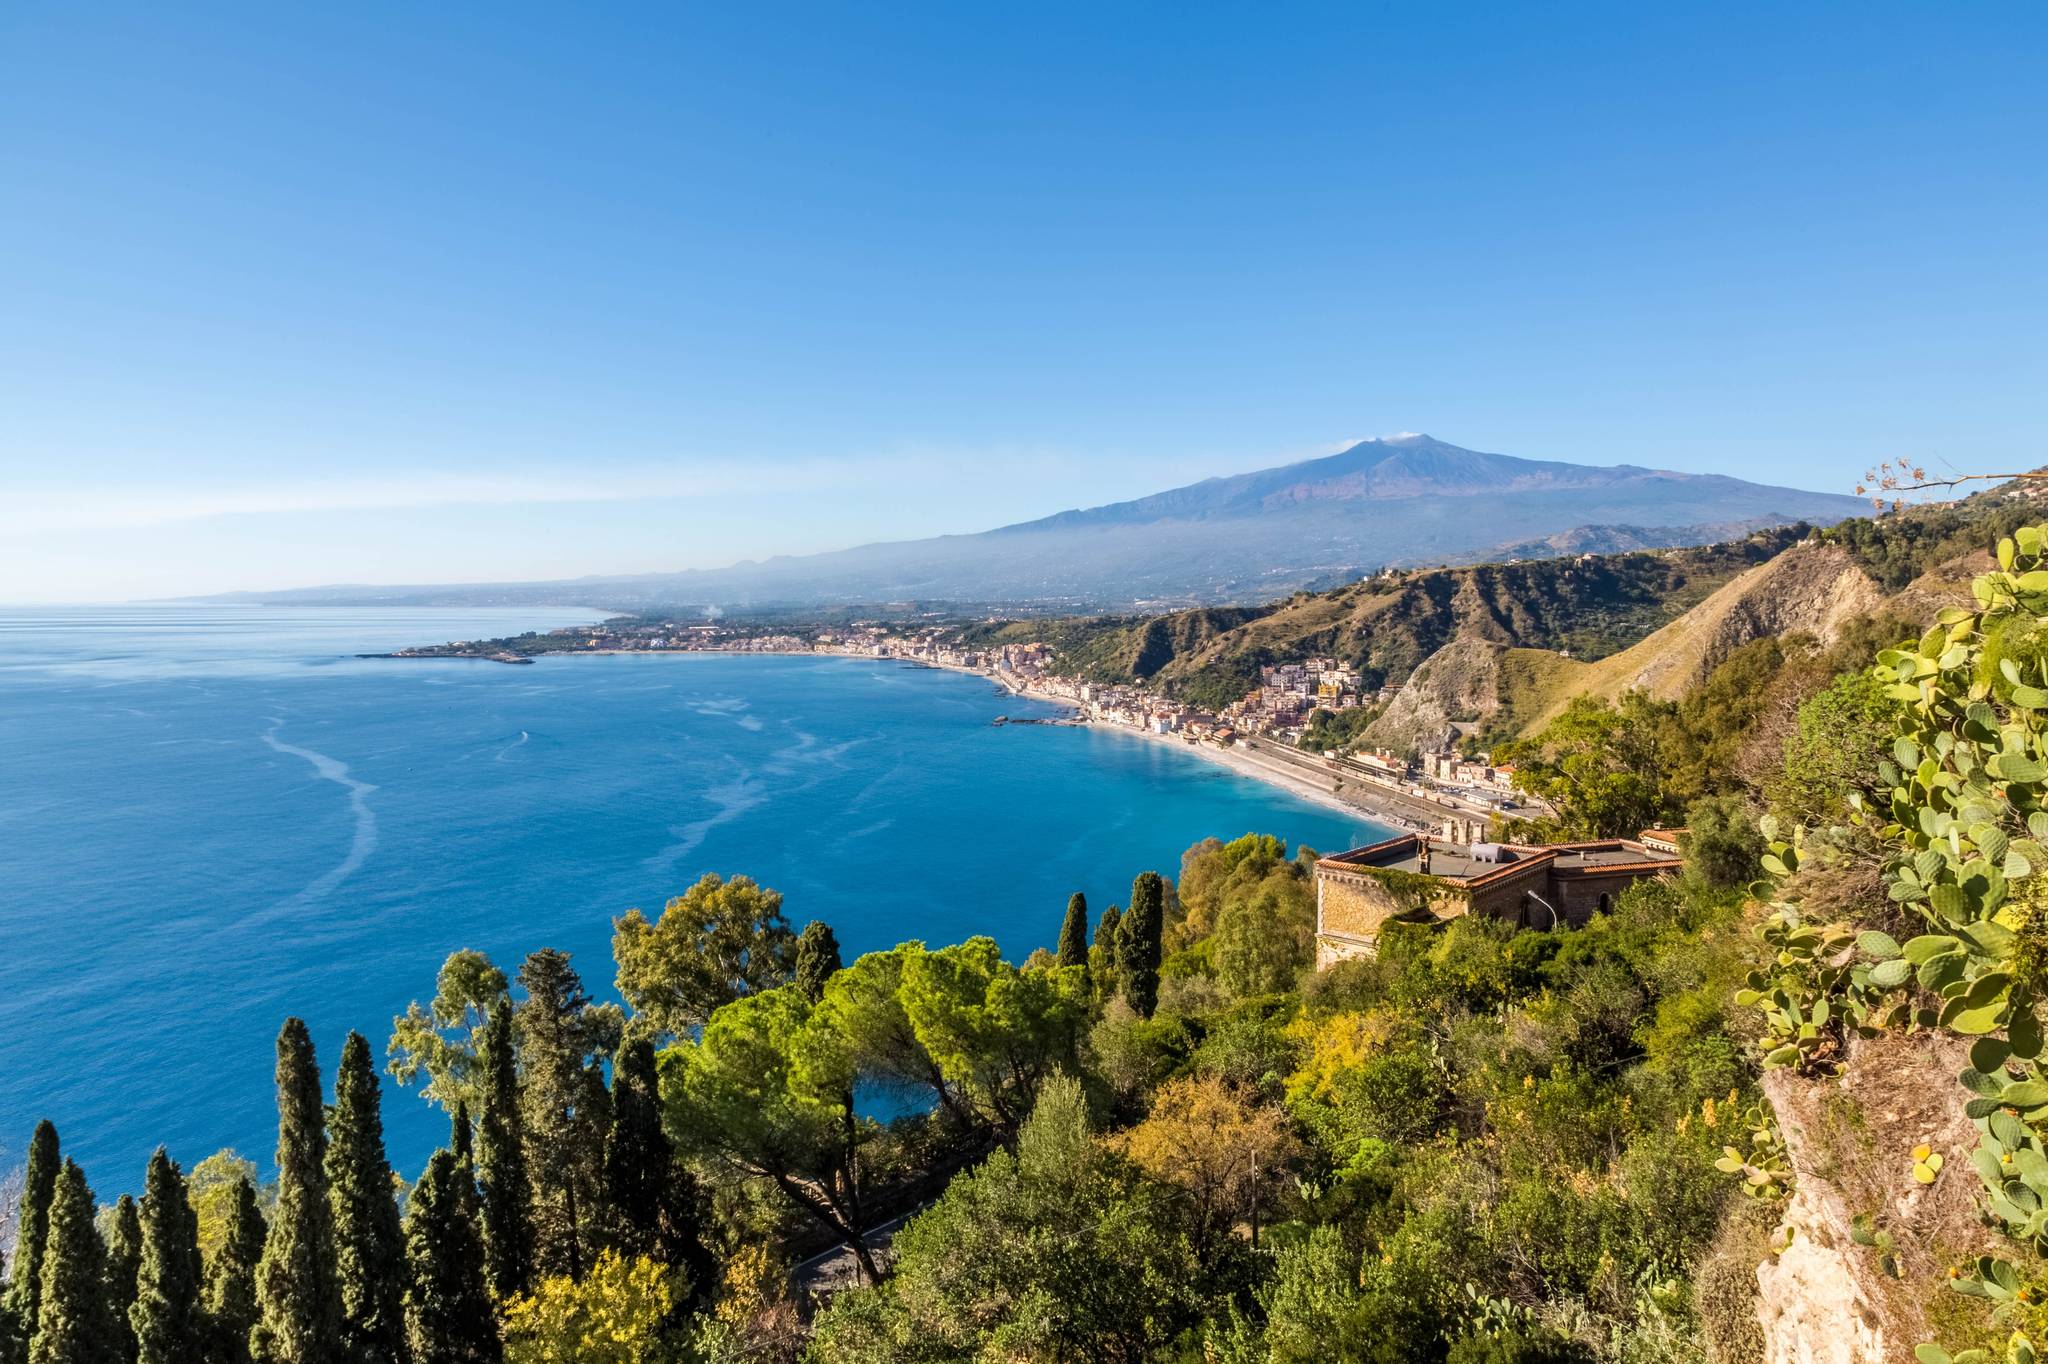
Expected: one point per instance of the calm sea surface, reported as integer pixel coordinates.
(212, 818)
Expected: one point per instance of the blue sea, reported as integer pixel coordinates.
(212, 818)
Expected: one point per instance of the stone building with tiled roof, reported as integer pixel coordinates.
(1418, 878)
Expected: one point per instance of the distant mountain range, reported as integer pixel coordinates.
(1396, 501)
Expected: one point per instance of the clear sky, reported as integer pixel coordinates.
(297, 294)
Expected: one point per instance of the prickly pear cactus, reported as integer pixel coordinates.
(1964, 821)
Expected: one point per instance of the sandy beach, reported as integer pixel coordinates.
(1302, 784)
(1305, 784)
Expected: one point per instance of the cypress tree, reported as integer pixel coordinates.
(1102, 957)
(1138, 944)
(679, 1242)
(637, 1151)
(232, 1309)
(564, 1156)
(1074, 932)
(817, 957)
(369, 1247)
(501, 1162)
(299, 1304)
(124, 1262)
(73, 1324)
(166, 1319)
(462, 1136)
(462, 1145)
(448, 1314)
(31, 1231)
(593, 1125)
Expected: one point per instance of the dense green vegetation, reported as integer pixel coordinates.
(1176, 1144)
(1896, 549)
(1170, 1140)
(1337, 728)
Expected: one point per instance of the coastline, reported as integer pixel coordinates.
(1349, 798)
(1251, 768)
(1244, 762)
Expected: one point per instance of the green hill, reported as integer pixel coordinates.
(1627, 614)
(1386, 625)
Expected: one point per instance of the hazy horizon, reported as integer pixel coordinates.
(595, 576)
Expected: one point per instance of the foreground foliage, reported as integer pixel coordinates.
(1171, 1140)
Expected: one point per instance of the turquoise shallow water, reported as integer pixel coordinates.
(212, 818)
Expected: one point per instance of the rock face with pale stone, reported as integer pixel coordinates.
(1824, 1299)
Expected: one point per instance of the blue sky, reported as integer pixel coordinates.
(389, 293)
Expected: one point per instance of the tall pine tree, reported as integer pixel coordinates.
(449, 1317)
(817, 957)
(232, 1309)
(124, 1262)
(31, 1231)
(299, 1303)
(504, 1193)
(166, 1319)
(73, 1323)
(1074, 932)
(561, 1102)
(369, 1247)
(1138, 944)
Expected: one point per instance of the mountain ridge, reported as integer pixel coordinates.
(1506, 645)
(1405, 500)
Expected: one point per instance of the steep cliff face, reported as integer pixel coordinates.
(1825, 1299)
(1387, 626)
(1459, 682)
(1946, 584)
(1811, 589)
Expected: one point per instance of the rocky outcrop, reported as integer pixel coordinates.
(1809, 589)
(1823, 1298)
(1459, 683)
(1946, 584)
(1812, 588)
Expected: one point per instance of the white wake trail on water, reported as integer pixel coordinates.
(732, 800)
(365, 841)
(523, 737)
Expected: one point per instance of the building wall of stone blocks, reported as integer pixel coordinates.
(1355, 905)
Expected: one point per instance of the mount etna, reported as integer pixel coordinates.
(1394, 501)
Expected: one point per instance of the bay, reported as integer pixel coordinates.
(214, 817)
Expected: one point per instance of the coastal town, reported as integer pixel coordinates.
(1438, 790)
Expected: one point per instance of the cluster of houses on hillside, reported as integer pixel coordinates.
(1288, 693)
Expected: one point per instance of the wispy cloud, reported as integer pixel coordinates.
(62, 509)
(1338, 447)
(49, 509)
